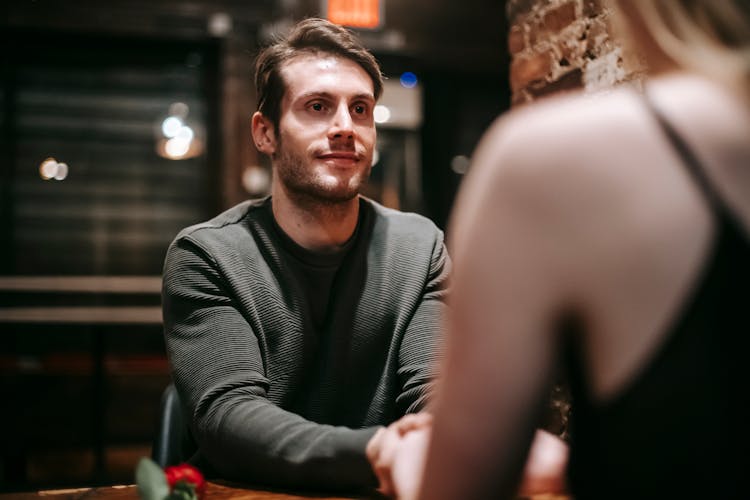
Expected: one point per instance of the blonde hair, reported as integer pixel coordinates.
(709, 36)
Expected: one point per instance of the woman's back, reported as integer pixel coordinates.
(585, 232)
(658, 368)
(606, 225)
(653, 233)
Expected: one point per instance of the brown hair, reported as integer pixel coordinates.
(309, 36)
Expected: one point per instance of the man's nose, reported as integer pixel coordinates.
(342, 126)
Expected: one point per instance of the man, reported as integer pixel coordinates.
(299, 324)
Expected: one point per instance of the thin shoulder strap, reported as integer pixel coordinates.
(691, 161)
(695, 168)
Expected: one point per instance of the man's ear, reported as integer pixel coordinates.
(264, 134)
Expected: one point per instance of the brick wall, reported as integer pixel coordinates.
(559, 45)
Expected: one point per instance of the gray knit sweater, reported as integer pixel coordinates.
(271, 398)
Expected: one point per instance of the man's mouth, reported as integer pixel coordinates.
(340, 156)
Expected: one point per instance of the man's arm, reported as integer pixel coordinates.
(220, 375)
(418, 355)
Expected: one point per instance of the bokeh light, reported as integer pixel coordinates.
(460, 164)
(62, 171)
(177, 147)
(50, 169)
(179, 109)
(381, 114)
(177, 137)
(408, 79)
(171, 126)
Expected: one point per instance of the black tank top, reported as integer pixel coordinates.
(680, 427)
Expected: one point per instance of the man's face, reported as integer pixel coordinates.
(326, 131)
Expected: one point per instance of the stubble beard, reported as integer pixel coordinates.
(307, 186)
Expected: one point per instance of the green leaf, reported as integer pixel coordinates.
(151, 481)
(183, 490)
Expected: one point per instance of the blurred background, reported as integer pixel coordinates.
(122, 122)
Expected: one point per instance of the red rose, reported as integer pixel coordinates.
(188, 474)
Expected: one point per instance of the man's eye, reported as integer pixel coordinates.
(360, 109)
(317, 106)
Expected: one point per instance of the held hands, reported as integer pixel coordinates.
(398, 453)
(546, 464)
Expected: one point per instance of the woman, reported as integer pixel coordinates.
(620, 249)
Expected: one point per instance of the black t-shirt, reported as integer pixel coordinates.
(315, 271)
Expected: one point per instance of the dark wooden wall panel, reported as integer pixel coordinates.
(97, 107)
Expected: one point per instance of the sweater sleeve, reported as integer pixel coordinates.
(420, 344)
(219, 373)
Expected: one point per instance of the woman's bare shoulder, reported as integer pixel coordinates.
(570, 144)
(561, 127)
(550, 163)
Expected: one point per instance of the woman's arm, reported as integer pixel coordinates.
(508, 294)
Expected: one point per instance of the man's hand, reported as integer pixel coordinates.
(545, 466)
(385, 446)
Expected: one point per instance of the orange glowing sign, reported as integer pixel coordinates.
(354, 13)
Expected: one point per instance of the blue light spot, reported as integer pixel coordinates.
(408, 79)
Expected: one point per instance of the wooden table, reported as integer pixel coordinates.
(214, 491)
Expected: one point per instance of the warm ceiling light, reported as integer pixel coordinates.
(354, 13)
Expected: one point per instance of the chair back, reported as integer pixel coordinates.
(173, 443)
